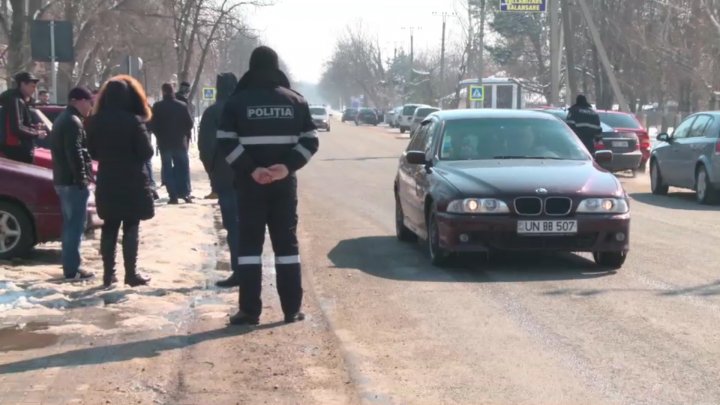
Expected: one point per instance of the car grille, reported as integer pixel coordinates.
(579, 242)
(528, 205)
(558, 206)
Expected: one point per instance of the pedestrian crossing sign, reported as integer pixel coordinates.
(477, 93)
(209, 93)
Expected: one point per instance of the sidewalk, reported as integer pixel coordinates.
(166, 343)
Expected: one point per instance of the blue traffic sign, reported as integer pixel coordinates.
(477, 93)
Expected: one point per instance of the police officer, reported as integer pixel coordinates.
(267, 134)
(585, 122)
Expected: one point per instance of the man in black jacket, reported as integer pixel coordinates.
(267, 134)
(172, 125)
(220, 173)
(585, 122)
(19, 132)
(72, 173)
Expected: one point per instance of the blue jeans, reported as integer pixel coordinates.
(73, 204)
(149, 171)
(229, 212)
(176, 172)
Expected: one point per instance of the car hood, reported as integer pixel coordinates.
(11, 167)
(518, 177)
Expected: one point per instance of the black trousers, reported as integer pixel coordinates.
(275, 206)
(130, 242)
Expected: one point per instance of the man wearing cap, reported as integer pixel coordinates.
(267, 134)
(19, 132)
(72, 173)
(585, 122)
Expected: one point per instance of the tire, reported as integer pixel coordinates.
(610, 260)
(705, 192)
(402, 130)
(328, 129)
(403, 233)
(656, 181)
(438, 256)
(16, 231)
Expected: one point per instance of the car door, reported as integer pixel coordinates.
(669, 156)
(407, 190)
(690, 150)
(423, 173)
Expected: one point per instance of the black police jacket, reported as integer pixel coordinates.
(263, 125)
(584, 121)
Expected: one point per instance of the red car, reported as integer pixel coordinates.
(46, 115)
(625, 122)
(30, 208)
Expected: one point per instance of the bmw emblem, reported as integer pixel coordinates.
(541, 191)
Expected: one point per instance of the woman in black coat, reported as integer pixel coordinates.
(119, 141)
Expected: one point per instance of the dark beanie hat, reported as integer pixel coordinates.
(80, 93)
(264, 58)
(581, 100)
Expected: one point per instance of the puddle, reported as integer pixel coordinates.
(26, 338)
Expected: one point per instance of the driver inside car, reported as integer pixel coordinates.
(529, 144)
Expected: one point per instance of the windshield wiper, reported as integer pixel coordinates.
(528, 157)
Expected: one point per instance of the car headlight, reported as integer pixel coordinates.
(478, 206)
(604, 206)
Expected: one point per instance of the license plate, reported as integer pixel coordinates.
(563, 227)
(620, 144)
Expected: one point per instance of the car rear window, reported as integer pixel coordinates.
(409, 109)
(424, 112)
(620, 120)
(317, 111)
(515, 138)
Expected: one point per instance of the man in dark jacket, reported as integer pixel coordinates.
(19, 132)
(172, 125)
(585, 122)
(183, 94)
(219, 171)
(267, 134)
(72, 173)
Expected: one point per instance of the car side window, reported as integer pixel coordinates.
(417, 143)
(682, 131)
(698, 127)
(430, 128)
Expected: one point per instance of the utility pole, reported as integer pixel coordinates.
(554, 52)
(624, 106)
(444, 15)
(412, 43)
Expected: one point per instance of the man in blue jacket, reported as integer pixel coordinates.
(219, 171)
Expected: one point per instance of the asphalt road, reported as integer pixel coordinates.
(523, 328)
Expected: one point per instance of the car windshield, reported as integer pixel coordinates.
(509, 138)
(317, 111)
(424, 112)
(409, 109)
(367, 112)
(619, 120)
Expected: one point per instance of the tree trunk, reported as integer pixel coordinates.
(569, 48)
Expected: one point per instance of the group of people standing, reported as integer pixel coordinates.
(252, 141)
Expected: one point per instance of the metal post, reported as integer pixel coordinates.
(554, 53)
(412, 50)
(603, 56)
(53, 68)
(442, 53)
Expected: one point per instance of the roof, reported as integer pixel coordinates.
(475, 113)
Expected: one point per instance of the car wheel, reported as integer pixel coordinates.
(16, 231)
(610, 260)
(328, 129)
(656, 181)
(705, 192)
(438, 256)
(403, 233)
(402, 130)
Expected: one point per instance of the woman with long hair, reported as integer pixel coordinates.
(118, 139)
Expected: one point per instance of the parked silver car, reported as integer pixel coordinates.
(419, 116)
(689, 158)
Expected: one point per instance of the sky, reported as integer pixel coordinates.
(304, 32)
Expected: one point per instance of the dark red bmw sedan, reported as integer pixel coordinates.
(484, 180)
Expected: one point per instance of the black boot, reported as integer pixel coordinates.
(241, 318)
(130, 251)
(230, 282)
(107, 250)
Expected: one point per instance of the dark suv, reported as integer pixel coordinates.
(349, 114)
(689, 158)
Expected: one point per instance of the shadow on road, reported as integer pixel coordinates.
(360, 158)
(703, 290)
(386, 257)
(127, 351)
(677, 201)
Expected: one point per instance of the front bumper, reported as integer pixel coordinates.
(595, 233)
(322, 124)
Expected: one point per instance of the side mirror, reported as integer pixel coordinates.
(664, 137)
(415, 157)
(604, 157)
